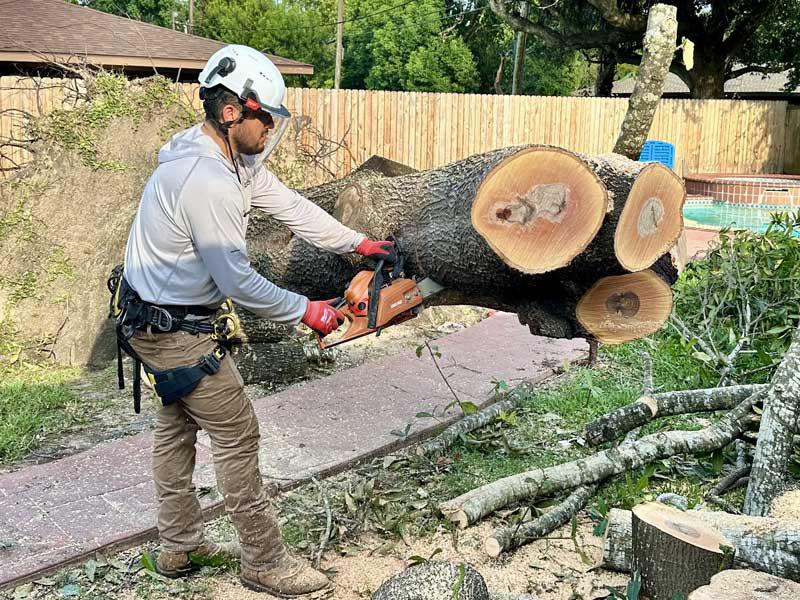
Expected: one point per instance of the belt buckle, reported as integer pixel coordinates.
(163, 320)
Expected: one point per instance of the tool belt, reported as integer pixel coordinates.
(131, 314)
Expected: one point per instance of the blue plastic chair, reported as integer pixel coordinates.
(657, 151)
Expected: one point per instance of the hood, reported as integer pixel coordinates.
(192, 143)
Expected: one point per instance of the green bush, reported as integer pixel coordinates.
(736, 310)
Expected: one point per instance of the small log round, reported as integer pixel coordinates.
(740, 584)
(675, 552)
(622, 308)
(540, 208)
(652, 220)
(276, 362)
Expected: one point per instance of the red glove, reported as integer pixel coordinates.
(322, 317)
(383, 249)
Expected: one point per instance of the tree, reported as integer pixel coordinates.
(730, 38)
(157, 12)
(298, 29)
(406, 47)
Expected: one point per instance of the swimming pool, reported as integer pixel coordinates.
(708, 214)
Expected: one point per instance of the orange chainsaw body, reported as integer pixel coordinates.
(398, 302)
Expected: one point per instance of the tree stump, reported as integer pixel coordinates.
(736, 584)
(674, 552)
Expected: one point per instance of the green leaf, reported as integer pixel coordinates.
(469, 408)
(22, 591)
(45, 581)
(416, 560)
(90, 569)
(70, 591)
(634, 587)
(148, 562)
(424, 415)
(600, 528)
(419, 351)
(702, 356)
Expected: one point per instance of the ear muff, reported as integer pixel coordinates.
(224, 68)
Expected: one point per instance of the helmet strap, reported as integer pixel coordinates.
(223, 128)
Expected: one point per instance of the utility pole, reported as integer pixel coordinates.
(519, 53)
(337, 77)
(191, 17)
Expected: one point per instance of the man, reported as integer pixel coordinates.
(186, 253)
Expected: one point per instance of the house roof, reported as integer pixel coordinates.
(43, 31)
(749, 84)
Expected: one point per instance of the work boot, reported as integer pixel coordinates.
(178, 564)
(289, 577)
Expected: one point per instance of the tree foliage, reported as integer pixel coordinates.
(731, 38)
(157, 12)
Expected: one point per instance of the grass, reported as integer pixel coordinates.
(34, 402)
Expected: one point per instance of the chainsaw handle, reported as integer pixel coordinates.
(340, 304)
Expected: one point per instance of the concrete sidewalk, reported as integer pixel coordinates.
(64, 511)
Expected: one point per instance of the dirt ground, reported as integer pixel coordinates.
(548, 569)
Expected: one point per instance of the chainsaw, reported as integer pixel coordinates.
(377, 299)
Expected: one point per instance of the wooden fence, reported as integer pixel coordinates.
(792, 144)
(426, 130)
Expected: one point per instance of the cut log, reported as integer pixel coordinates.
(625, 307)
(674, 552)
(761, 543)
(779, 422)
(430, 214)
(652, 220)
(260, 331)
(476, 504)
(539, 208)
(277, 362)
(616, 423)
(739, 584)
(507, 538)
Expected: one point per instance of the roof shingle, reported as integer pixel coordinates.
(41, 28)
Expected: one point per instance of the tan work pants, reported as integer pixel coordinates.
(218, 405)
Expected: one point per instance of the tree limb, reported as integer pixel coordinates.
(476, 504)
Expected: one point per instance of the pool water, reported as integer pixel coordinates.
(722, 214)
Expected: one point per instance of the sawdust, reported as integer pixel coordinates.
(548, 569)
(786, 506)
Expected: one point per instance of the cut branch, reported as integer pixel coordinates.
(476, 504)
(625, 307)
(508, 538)
(615, 424)
(652, 219)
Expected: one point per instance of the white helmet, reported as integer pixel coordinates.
(248, 74)
(255, 80)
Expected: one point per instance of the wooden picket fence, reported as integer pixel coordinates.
(425, 130)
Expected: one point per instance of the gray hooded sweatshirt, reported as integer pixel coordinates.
(187, 243)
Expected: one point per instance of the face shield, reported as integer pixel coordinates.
(279, 117)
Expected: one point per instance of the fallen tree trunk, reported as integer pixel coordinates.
(779, 422)
(271, 362)
(761, 543)
(528, 230)
(616, 423)
(478, 503)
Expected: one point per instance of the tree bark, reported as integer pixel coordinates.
(476, 504)
(779, 423)
(738, 584)
(615, 424)
(271, 362)
(674, 552)
(431, 215)
(508, 538)
(659, 46)
(761, 543)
